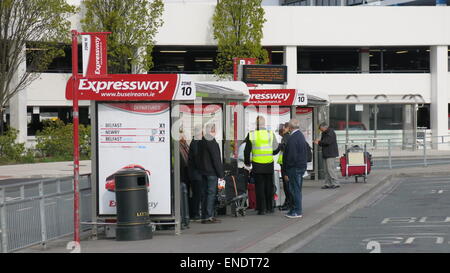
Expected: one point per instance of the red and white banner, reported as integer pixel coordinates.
(95, 60)
(280, 97)
(242, 61)
(148, 87)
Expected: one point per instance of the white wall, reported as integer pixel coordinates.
(327, 26)
(50, 90)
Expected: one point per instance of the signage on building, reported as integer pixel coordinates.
(264, 74)
(280, 97)
(95, 59)
(148, 87)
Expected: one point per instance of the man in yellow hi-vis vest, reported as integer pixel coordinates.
(262, 145)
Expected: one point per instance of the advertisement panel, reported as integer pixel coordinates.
(134, 135)
(305, 116)
(95, 58)
(147, 87)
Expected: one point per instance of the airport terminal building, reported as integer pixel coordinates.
(384, 69)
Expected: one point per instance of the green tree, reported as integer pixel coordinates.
(237, 26)
(40, 24)
(133, 25)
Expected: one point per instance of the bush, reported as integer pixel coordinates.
(9, 149)
(56, 140)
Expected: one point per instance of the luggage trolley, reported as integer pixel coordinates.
(356, 162)
(234, 193)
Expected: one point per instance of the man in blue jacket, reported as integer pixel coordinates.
(294, 165)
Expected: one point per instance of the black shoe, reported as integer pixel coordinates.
(261, 212)
(335, 186)
(284, 207)
(326, 187)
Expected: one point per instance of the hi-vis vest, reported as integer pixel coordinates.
(262, 141)
(280, 158)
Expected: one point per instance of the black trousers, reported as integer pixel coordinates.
(289, 200)
(264, 192)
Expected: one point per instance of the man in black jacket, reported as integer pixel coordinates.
(330, 151)
(294, 166)
(194, 173)
(211, 168)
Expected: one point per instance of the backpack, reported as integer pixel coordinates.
(308, 153)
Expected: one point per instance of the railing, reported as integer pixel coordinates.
(406, 154)
(38, 211)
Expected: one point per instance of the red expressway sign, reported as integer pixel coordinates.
(95, 57)
(280, 97)
(148, 87)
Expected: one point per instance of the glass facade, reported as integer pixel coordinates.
(396, 122)
(348, 59)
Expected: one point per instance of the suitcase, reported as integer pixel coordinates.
(357, 162)
(251, 193)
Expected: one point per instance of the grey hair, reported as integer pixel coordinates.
(294, 123)
(323, 125)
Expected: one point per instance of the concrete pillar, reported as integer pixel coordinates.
(18, 104)
(439, 92)
(364, 60)
(290, 60)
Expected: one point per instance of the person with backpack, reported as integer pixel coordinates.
(330, 151)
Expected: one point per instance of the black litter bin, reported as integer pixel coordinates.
(133, 220)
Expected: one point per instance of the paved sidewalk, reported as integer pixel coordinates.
(256, 233)
(42, 170)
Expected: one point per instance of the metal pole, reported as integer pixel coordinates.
(42, 213)
(4, 233)
(347, 114)
(76, 155)
(425, 153)
(389, 153)
(177, 177)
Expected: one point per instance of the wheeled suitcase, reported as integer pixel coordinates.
(251, 193)
(356, 162)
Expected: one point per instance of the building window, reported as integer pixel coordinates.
(62, 64)
(37, 115)
(327, 59)
(400, 59)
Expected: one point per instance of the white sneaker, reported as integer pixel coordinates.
(293, 215)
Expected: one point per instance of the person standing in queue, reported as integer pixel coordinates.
(330, 151)
(294, 166)
(194, 173)
(262, 144)
(211, 169)
(284, 133)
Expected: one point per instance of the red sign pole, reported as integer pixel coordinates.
(76, 150)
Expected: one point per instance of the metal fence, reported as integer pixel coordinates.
(394, 152)
(38, 211)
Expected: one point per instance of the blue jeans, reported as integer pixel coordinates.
(295, 186)
(209, 188)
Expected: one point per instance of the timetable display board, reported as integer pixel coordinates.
(134, 134)
(264, 74)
